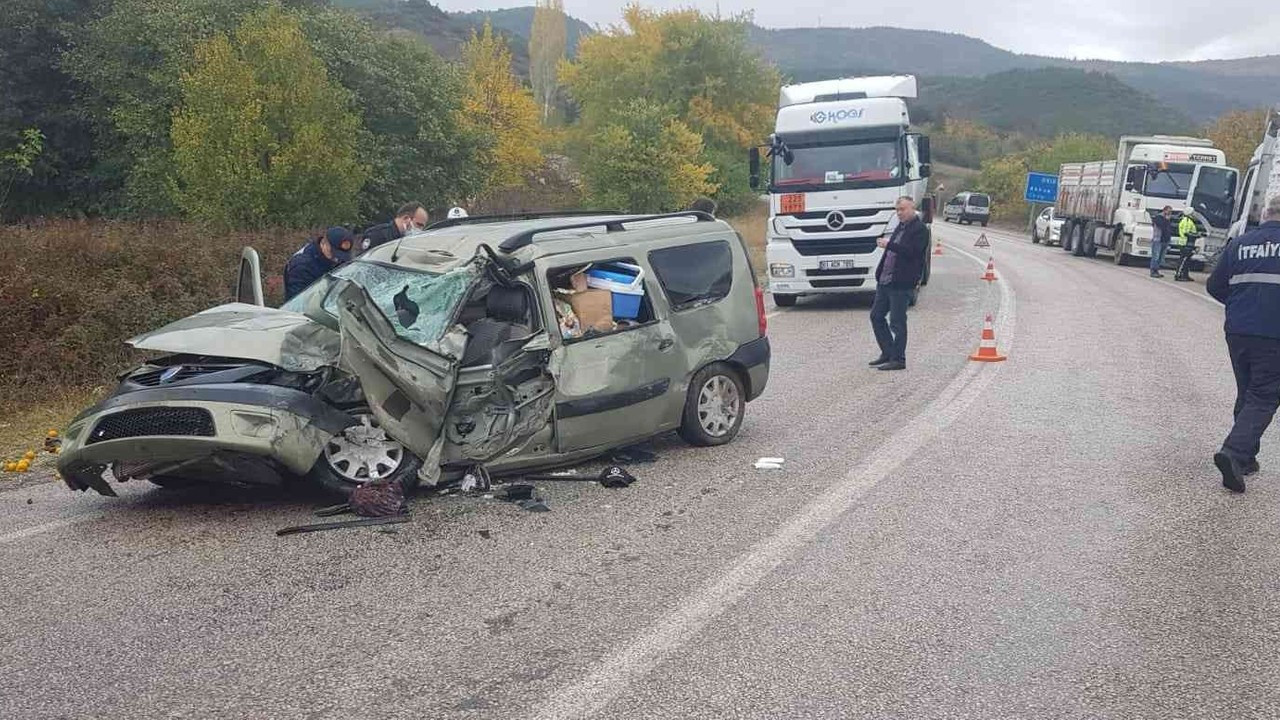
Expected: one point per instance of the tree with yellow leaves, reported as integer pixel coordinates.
(1237, 134)
(701, 69)
(497, 107)
(262, 134)
(644, 160)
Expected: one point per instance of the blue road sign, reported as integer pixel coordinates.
(1041, 188)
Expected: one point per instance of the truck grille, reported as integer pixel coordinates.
(847, 282)
(833, 246)
(149, 422)
(837, 273)
(849, 214)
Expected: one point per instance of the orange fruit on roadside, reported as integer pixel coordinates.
(29, 456)
(52, 434)
(24, 465)
(10, 466)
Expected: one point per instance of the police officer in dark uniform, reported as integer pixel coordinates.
(1247, 281)
(410, 217)
(316, 258)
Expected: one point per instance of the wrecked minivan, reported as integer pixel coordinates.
(518, 344)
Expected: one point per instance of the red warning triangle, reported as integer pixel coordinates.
(982, 241)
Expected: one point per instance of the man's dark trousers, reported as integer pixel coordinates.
(891, 335)
(1256, 362)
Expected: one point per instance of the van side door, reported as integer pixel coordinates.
(616, 386)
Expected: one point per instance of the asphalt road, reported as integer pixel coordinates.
(1044, 538)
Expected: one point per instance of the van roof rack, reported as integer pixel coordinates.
(513, 217)
(525, 238)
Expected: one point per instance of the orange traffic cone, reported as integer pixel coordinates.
(987, 351)
(991, 270)
(937, 247)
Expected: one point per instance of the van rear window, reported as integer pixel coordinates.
(694, 275)
(979, 201)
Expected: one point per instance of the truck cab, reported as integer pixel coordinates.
(1189, 180)
(1261, 179)
(841, 155)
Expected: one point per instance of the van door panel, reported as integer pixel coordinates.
(620, 387)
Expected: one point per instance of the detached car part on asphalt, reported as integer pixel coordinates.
(441, 351)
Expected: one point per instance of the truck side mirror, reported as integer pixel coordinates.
(249, 278)
(753, 161)
(927, 208)
(922, 150)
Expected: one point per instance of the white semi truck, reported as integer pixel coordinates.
(841, 155)
(1261, 179)
(1109, 204)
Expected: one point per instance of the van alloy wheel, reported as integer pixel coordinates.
(719, 405)
(714, 406)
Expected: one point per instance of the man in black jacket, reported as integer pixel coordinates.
(1247, 281)
(897, 275)
(409, 218)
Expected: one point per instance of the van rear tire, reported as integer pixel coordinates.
(714, 406)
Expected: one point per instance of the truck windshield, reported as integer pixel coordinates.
(867, 164)
(1215, 195)
(1171, 183)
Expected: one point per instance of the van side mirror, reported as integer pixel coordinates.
(753, 161)
(249, 278)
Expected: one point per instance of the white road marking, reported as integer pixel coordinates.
(38, 530)
(683, 623)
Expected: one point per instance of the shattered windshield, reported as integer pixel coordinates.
(866, 163)
(420, 305)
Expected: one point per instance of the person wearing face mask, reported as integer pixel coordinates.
(411, 217)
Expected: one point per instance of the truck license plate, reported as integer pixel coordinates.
(837, 264)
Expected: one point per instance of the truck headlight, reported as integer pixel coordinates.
(782, 270)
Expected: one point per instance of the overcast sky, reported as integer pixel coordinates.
(1109, 29)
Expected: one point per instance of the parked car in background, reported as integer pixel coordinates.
(519, 345)
(968, 207)
(1047, 228)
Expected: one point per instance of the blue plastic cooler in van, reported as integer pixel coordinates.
(625, 282)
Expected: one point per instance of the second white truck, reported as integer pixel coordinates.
(1109, 204)
(1261, 179)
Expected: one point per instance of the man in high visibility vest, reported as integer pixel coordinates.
(1185, 240)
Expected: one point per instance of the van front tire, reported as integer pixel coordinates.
(714, 407)
(362, 453)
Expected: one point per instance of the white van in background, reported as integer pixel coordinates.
(968, 207)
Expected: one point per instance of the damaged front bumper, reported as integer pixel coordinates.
(239, 433)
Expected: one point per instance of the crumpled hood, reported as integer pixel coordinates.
(288, 340)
